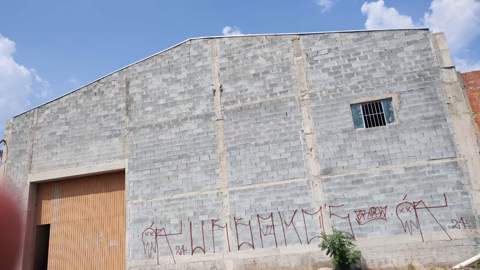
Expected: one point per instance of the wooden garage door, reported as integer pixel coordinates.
(87, 221)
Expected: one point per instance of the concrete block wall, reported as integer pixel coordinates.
(371, 66)
(86, 127)
(241, 150)
(82, 129)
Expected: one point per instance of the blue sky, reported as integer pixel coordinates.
(51, 47)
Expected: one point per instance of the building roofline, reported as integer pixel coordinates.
(208, 37)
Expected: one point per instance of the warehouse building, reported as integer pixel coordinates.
(238, 152)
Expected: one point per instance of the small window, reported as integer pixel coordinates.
(373, 113)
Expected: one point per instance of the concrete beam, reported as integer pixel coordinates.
(117, 165)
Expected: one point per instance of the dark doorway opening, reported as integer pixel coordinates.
(41, 247)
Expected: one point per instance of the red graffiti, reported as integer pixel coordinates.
(217, 227)
(407, 213)
(286, 226)
(269, 230)
(195, 248)
(150, 240)
(249, 225)
(460, 223)
(293, 227)
(364, 216)
(320, 220)
(344, 217)
(180, 250)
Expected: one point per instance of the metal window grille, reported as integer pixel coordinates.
(373, 114)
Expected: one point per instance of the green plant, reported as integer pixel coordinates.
(475, 265)
(340, 247)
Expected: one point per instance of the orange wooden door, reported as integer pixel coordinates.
(87, 221)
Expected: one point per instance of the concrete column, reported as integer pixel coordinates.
(27, 253)
(460, 117)
(309, 136)
(222, 182)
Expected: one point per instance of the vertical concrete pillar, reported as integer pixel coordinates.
(125, 132)
(222, 182)
(126, 154)
(309, 137)
(460, 117)
(29, 232)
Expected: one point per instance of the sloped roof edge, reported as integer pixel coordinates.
(209, 37)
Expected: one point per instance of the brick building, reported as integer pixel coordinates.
(237, 152)
(471, 82)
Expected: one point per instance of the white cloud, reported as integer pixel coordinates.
(458, 19)
(326, 5)
(381, 17)
(231, 31)
(74, 82)
(19, 85)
